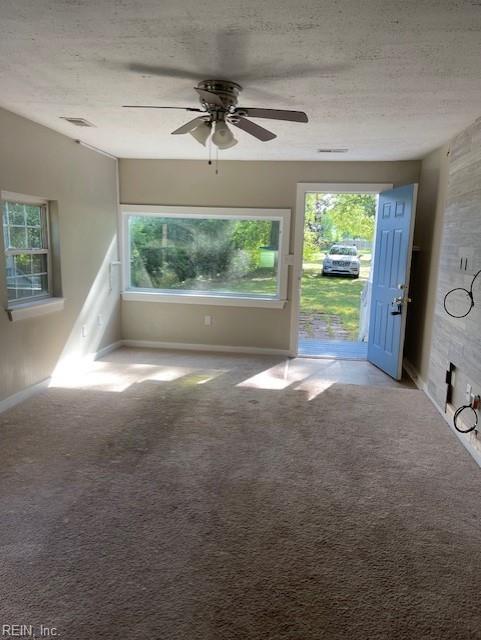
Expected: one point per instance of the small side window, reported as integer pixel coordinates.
(27, 254)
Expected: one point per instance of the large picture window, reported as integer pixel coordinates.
(230, 253)
(25, 237)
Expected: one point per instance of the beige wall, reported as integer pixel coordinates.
(36, 161)
(433, 184)
(239, 184)
(83, 187)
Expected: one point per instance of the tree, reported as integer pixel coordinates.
(318, 225)
(333, 217)
(353, 215)
(170, 251)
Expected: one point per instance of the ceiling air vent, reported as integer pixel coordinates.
(78, 122)
(335, 150)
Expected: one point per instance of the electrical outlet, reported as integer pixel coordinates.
(466, 258)
(469, 390)
(208, 321)
(83, 331)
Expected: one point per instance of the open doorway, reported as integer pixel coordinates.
(336, 278)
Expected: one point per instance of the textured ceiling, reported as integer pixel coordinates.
(389, 80)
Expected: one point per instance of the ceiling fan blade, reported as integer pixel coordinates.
(274, 114)
(151, 106)
(209, 97)
(254, 129)
(189, 126)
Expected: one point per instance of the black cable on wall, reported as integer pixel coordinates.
(459, 411)
(475, 402)
(469, 298)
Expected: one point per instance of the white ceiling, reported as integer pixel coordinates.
(390, 80)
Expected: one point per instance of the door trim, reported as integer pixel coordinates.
(298, 243)
(408, 279)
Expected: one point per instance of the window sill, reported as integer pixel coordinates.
(194, 298)
(35, 308)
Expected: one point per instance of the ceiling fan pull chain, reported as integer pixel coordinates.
(210, 151)
(217, 161)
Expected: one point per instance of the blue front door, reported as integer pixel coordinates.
(392, 262)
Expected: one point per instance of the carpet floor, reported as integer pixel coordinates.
(208, 503)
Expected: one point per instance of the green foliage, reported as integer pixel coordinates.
(353, 215)
(23, 263)
(331, 217)
(169, 252)
(240, 265)
(177, 260)
(311, 245)
(210, 256)
(250, 235)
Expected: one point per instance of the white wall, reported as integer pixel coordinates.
(239, 184)
(83, 186)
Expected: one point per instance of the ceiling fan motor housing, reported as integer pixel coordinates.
(227, 91)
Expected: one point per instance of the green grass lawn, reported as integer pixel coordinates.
(260, 283)
(336, 295)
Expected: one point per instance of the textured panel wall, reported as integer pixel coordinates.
(459, 340)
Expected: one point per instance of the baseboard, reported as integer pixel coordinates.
(105, 350)
(28, 392)
(88, 358)
(24, 394)
(413, 373)
(470, 441)
(185, 346)
(32, 390)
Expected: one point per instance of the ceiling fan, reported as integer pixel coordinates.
(218, 99)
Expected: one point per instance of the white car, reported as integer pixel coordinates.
(341, 260)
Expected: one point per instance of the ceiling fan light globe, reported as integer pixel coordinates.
(223, 138)
(227, 144)
(201, 133)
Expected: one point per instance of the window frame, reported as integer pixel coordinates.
(43, 203)
(205, 297)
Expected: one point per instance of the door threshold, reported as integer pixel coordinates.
(328, 357)
(332, 349)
